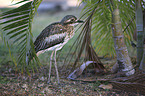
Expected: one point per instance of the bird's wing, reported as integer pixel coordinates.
(50, 36)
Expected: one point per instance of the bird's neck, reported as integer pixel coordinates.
(70, 30)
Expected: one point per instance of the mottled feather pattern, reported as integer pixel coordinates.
(52, 35)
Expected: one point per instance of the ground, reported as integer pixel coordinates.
(16, 84)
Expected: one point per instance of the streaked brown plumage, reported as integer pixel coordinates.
(54, 37)
(55, 33)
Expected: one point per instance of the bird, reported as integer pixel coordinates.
(53, 38)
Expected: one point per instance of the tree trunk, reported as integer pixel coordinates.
(123, 59)
(140, 32)
(142, 64)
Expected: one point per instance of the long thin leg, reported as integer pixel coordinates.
(56, 67)
(49, 79)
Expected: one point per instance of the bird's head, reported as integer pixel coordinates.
(70, 20)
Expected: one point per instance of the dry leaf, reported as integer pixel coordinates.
(109, 86)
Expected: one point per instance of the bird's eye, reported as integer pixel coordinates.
(72, 20)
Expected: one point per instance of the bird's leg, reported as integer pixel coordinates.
(56, 67)
(49, 79)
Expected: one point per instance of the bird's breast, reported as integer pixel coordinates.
(70, 31)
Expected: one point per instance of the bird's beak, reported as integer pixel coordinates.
(79, 21)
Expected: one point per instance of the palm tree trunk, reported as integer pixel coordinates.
(142, 64)
(140, 32)
(123, 58)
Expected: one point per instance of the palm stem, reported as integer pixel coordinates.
(123, 59)
(140, 32)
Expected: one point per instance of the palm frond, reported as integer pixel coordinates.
(83, 46)
(16, 26)
(102, 19)
(23, 1)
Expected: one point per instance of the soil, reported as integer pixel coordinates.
(16, 84)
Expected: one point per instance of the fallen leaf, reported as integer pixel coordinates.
(108, 86)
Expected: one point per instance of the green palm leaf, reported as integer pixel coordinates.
(16, 26)
(102, 38)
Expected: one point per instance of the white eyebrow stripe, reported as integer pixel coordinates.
(69, 20)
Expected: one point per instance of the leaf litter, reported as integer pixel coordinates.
(12, 83)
